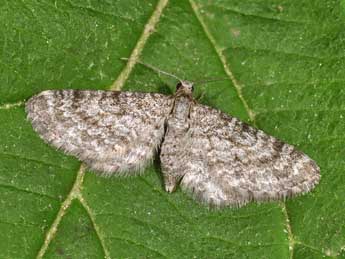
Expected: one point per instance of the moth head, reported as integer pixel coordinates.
(185, 87)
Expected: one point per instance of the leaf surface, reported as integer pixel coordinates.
(285, 71)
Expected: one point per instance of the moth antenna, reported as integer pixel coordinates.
(208, 80)
(159, 71)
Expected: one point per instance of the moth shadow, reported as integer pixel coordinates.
(202, 97)
(158, 169)
(165, 89)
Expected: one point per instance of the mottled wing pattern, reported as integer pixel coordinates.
(230, 163)
(110, 131)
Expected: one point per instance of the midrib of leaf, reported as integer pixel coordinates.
(75, 192)
(134, 57)
(249, 111)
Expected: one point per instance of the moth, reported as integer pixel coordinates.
(218, 159)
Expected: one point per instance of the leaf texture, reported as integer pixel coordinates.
(285, 69)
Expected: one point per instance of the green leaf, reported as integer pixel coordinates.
(285, 68)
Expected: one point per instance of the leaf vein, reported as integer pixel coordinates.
(63, 208)
(7, 106)
(134, 57)
(222, 58)
(149, 225)
(334, 255)
(32, 160)
(5, 186)
(139, 245)
(28, 225)
(278, 51)
(93, 221)
(90, 9)
(263, 17)
(244, 245)
(301, 110)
